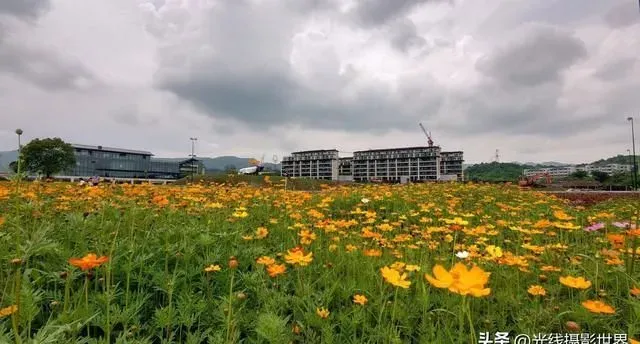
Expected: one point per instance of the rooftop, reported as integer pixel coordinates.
(111, 149)
(316, 151)
(399, 148)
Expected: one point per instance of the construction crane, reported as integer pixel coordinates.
(428, 134)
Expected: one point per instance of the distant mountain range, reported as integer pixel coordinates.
(211, 164)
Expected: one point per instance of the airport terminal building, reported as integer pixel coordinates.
(111, 162)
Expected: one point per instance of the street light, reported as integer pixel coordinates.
(633, 145)
(630, 170)
(19, 133)
(193, 156)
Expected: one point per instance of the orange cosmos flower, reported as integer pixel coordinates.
(89, 261)
(598, 307)
(276, 269)
(617, 240)
(261, 232)
(8, 311)
(561, 215)
(575, 282)
(550, 268)
(372, 253)
(265, 260)
(360, 299)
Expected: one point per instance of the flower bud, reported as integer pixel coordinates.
(572, 326)
(233, 263)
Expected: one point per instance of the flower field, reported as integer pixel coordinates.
(425, 263)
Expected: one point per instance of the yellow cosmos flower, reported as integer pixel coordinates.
(494, 251)
(537, 290)
(461, 280)
(575, 282)
(213, 268)
(395, 278)
(297, 257)
(323, 312)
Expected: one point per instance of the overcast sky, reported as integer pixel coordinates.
(540, 80)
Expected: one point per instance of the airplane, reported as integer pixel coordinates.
(256, 168)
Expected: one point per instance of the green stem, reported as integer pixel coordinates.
(393, 310)
(471, 328)
(15, 317)
(108, 281)
(86, 292)
(229, 311)
(67, 291)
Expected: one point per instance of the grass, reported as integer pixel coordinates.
(184, 263)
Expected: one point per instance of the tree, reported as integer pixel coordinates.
(13, 166)
(579, 174)
(48, 156)
(600, 176)
(230, 169)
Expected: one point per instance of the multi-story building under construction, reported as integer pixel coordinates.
(389, 165)
(315, 164)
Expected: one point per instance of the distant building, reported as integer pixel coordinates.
(390, 165)
(112, 162)
(565, 171)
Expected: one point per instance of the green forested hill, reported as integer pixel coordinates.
(618, 159)
(495, 171)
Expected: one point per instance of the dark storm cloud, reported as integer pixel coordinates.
(28, 9)
(261, 99)
(248, 78)
(378, 12)
(522, 91)
(309, 6)
(622, 15)
(539, 55)
(45, 69)
(616, 70)
(404, 36)
(495, 108)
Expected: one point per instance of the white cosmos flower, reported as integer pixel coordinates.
(462, 254)
(365, 200)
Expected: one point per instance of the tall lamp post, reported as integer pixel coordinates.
(633, 145)
(19, 133)
(193, 155)
(631, 170)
